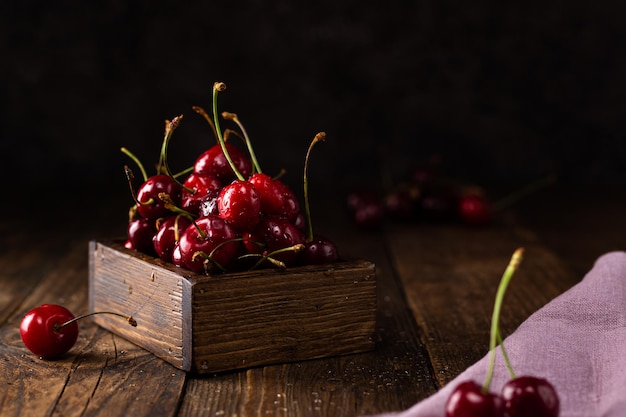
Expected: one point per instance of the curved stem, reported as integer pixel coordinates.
(516, 258)
(137, 161)
(206, 116)
(234, 118)
(218, 87)
(320, 137)
(507, 361)
(129, 319)
(523, 192)
(163, 164)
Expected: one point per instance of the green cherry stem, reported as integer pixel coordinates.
(163, 164)
(507, 361)
(523, 192)
(320, 137)
(233, 117)
(516, 258)
(129, 178)
(137, 161)
(217, 88)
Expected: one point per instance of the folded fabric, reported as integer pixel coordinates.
(577, 342)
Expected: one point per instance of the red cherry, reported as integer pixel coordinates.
(369, 215)
(469, 400)
(275, 233)
(167, 237)
(239, 204)
(475, 209)
(214, 162)
(401, 203)
(318, 251)
(149, 204)
(358, 198)
(177, 256)
(203, 185)
(140, 234)
(214, 232)
(50, 330)
(530, 396)
(291, 206)
(270, 193)
(42, 333)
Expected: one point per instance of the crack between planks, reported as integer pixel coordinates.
(95, 388)
(416, 327)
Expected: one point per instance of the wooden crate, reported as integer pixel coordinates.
(207, 324)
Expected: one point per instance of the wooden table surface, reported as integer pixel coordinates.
(436, 284)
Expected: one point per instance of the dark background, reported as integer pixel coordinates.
(502, 92)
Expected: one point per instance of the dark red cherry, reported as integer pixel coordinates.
(214, 232)
(41, 332)
(291, 206)
(530, 396)
(318, 251)
(140, 234)
(401, 203)
(423, 175)
(359, 198)
(214, 162)
(203, 185)
(300, 221)
(239, 204)
(438, 204)
(150, 205)
(369, 215)
(275, 233)
(166, 239)
(469, 400)
(475, 209)
(177, 257)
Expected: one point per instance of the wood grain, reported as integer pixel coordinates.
(208, 324)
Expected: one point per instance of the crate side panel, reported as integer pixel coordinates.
(288, 316)
(153, 296)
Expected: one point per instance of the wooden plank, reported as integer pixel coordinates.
(236, 320)
(391, 378)
(450, 275)
(101, 375)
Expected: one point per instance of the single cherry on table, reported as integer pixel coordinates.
(50, 330)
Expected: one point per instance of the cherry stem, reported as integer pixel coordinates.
(218, 87)
(523, 192)
(169, 204)
(129, 319)
(129, 178)
(163, 164)
(516, 258)
(298, 247)
(320, 137)
(206, 116)
(507, 361)
(233, 117)
(185, 171)
(137, 161)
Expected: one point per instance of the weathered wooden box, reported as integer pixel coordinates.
(224, 322)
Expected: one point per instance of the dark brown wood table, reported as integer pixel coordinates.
(436, 284)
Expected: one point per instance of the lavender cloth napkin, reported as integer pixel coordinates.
(577, 341)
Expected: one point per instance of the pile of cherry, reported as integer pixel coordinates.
(224, 213)
(424, 195)
(521, 396)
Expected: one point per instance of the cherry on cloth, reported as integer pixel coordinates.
(577, 342)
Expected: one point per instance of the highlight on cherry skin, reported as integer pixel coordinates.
(51, 330)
